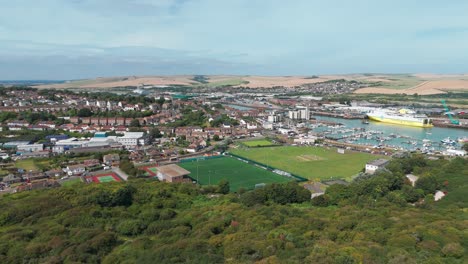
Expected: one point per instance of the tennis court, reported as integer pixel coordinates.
(104, 177)
(150, 170)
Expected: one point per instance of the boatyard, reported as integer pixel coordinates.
(378, 135)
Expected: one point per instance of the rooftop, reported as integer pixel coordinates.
(172, 171)
(133, 135)
(378, 162)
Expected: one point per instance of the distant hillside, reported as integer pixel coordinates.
(422, 84)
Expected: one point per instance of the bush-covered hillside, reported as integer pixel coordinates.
(369, 221)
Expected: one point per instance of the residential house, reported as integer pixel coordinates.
(49, 124)
(120, 121)
(17, 123)
(111, 159)
(76, 170)
(74, 120)
(10, 178)
(373, 166)
(111, 121)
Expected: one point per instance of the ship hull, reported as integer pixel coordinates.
(399, 121)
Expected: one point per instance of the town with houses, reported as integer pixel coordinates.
(160, 127)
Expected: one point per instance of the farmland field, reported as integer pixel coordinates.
(227, 82)
(238, 173)
(309, 162)
(258, 143)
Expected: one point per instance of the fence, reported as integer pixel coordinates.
(269, 167)
(200, 158)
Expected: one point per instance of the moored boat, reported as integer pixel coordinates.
(403, 117)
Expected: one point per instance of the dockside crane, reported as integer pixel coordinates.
(449, 114)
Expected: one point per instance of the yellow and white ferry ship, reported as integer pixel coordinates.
(402, 117)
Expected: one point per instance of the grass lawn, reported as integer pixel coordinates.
(72, 182)
(309, 162)
(238, 173)
(457, 184)
(258, 143)
(26, 164)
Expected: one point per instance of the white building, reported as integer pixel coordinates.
(439, 195)
(30, 148)
(375, 165)
(132, 139)
(283, 131)
(299, 114)
(75, 169)
(268, 125)
(305, 140)
(274, 118)
(251, 126)
(455, 152)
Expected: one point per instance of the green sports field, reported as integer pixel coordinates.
(258, 143)
(106, 179)
(238, 173)
(309, 162)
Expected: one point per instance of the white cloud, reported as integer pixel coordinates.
(283, 37)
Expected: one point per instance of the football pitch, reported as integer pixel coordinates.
(238, 173)
(309, 162)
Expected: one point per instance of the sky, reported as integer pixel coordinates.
(75, 39)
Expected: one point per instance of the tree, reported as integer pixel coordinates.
(84, 112)
(411, 194)
(216, 138)
(154, 133)
(223, 186)
(465, 147)
(338, 192)
(321, 201)
(160, 101)
(135, 123)
(428, 184)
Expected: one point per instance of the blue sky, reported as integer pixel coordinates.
(71, 39)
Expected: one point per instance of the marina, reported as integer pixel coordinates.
(379, 135)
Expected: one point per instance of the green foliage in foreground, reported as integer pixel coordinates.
(152, 222)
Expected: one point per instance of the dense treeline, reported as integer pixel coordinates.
(391, 184)
(144, 221)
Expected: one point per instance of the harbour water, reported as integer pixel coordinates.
(377, 134)
(239, 107)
